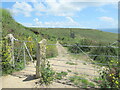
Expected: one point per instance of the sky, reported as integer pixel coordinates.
(64, 13)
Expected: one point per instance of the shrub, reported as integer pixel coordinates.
(110, 76)
(47, 75)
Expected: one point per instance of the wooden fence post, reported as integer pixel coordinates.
(24, 55)
(10, 36)
(41, 55)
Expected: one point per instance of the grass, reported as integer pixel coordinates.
(69, 70)
(51, 50)
(60, 75)
(81, 82)
(71, 63)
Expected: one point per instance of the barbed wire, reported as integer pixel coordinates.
(23, 41)
(95, 55)
(78, 73)
(72, 67)
(86, 46)
(84, 62)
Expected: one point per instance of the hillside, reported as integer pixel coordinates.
(64, 34)
(9, 25)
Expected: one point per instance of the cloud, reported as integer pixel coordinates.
(106, 19)
(56, 7)
(66, 0)
(22, 8)
(108, 22)
(69, 22)
(67, 7)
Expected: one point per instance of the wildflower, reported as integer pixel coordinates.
(99, 81)
(113, 80)
(110, 75)
(113, 77)
(116, 82)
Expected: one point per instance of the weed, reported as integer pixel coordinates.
(60, 75)
(71, 63)
(69, 70)
(81, 82)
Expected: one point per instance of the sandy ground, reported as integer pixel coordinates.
(59, 64)
(26, 77)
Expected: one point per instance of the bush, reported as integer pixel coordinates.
(110, 76)
(77, 46)
(103, 51)
(47, 75)
(51, 50)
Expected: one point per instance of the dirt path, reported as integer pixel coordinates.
(25, 78)
(82, 69)
(21, 79)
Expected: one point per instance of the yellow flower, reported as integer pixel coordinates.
(113, 80)
(110, 75)
(117, 62)
(113, 77)
(116, 82)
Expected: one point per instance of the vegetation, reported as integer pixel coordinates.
(81, 82)
(60, 75)
(66, 36)
(47, 75)
(22, 33)
(71, 63)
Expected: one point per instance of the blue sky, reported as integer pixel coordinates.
(64, 13)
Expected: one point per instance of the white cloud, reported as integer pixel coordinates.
(56, 7)
(107, 19)
(66, 0)
(68, 7)
(68, 23)
(108, 22)
(22, 8)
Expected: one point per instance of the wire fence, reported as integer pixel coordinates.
(77, 61)
(86, 46)
(23, 54)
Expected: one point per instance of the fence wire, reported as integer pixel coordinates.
(86, 46)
